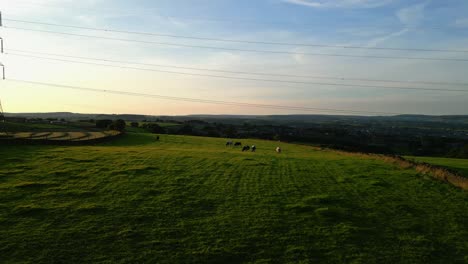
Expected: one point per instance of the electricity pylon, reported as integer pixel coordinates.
(2, 116)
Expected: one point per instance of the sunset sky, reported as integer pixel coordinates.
(368, 23)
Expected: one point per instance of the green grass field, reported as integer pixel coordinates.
(192, 200)
(458, 165)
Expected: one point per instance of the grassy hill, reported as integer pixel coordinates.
(192, 200)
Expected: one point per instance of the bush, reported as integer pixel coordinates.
(154, 128)
(186, 130)
(118, 124)
(104, 123)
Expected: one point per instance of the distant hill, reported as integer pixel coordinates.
(271, 118)
(77, 116)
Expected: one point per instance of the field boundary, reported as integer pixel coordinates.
(435, 171)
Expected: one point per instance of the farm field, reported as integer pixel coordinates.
(192, 200)
(161, 124)
(458, 165)
(61, 136)
(166, 124)
(44, 127)
(140, 129)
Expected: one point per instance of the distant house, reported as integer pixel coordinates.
(58, 122)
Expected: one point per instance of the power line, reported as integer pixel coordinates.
(206, 101)
(243, 50)
(246, 79)
(245, 72)
(246, 21)
(237, 41)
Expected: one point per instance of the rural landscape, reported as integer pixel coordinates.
(180, 147)
(140, 196)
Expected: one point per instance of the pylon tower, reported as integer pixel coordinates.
(2, 116)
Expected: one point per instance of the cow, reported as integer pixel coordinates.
(245, 148)
(278, 150)
(254, 148)
(229, 143)
(237, 144)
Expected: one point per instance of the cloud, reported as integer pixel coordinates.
(379, 40)
(461, 23)
(412, 15)
(24, 98)
(340, 3)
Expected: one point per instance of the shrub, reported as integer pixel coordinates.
(118, 124)
(104, 123)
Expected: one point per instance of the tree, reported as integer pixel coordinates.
(186, 129)
(211, 131)
(230, 131)
(134, 124)
(103, 123)
(118, 124)
(154, 128)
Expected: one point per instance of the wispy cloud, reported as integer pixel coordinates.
(156, 17)
(376, 41)
(412, 15)
(461, 22)
(409, 16)
(340, 3)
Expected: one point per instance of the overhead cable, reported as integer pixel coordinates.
(236, 41)
(246, 79)
(206, 101)
(247, 72)
(243, 50)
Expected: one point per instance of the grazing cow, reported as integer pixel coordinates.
(245, 148)
(278, 150)
(254, 148)
(237, 144)
(157, 138)
(229, 143)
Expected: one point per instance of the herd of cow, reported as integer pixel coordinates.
(252, 148)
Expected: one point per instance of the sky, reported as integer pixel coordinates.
(408, 24)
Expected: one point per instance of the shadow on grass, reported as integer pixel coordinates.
(131, 139)
(21, 154)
